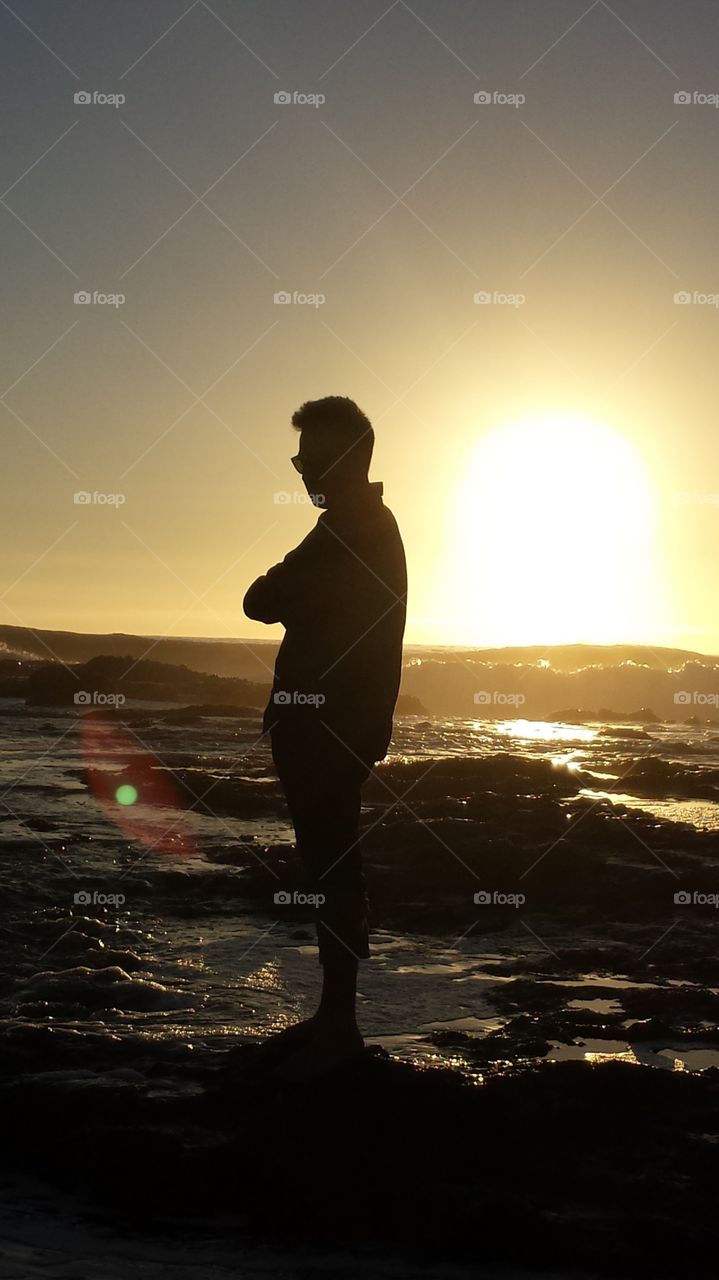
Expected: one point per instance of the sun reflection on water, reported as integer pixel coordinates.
(545, 730)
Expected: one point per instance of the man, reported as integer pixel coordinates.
(341, 596)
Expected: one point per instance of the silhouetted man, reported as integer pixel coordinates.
(341, 596)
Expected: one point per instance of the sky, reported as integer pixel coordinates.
(520, 291)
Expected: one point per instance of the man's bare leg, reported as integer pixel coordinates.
(334, 1035)
(335, 1015)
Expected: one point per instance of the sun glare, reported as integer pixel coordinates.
(553, 538)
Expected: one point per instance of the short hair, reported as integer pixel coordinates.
(342, 422)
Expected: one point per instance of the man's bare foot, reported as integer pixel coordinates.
(278, 1046)
(327, 1049)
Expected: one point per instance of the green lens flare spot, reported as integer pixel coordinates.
(126, 794)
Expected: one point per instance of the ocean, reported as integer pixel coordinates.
(159, 918)
(544, 903)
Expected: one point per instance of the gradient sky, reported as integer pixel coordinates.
(554, 466)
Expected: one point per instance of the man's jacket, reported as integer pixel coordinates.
(341, 596)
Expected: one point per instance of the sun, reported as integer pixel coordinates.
(553, 536)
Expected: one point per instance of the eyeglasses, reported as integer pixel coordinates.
(297, 463)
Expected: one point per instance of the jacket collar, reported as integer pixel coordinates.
(364, 499)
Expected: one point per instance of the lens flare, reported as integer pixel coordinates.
(126, 794)
(133, 786)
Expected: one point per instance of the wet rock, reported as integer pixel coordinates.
(607, 1169)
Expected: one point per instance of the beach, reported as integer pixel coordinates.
(534, 979)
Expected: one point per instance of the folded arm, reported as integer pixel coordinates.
(266, 600)
(279, 594)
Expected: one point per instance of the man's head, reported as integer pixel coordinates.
(336, 443)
